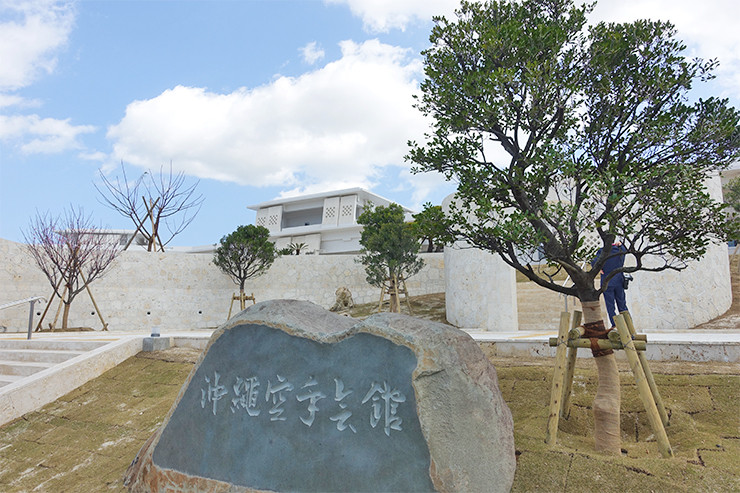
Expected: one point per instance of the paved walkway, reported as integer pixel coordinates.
(686, 345)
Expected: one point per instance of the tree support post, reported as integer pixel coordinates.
(643, 388)
(242, 299)
(395, 292)
(59, 309)
(570, 368)
(48, 304)
(97, 310)
(646, 368)
(557, 380)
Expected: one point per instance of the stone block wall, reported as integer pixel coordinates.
(184, 291)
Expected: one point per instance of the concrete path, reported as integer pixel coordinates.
(687, 345)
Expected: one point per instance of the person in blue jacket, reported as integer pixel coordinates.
(614, 292)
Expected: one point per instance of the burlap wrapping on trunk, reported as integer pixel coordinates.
(595, 331)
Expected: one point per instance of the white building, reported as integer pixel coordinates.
(325, 222)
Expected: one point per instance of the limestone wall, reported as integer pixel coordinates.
(681, 300)
(182, 291)
(480, 290)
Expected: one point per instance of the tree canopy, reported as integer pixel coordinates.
(556, 131)
(162, 205)
(70, 251)
(431, 225)
(389, 247)
(245, 253)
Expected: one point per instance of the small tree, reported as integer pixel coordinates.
(732, 194)
(389, 249)
(556, 132)
(70, 252)
(293, 249)
(732, 199)
(151, 202)
(244, 254)
(432, 226)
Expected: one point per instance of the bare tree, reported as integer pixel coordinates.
(152, 202)
(70, 252)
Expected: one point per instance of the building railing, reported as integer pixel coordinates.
(31, 301)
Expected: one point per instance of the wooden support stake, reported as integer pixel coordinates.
(570, 368)
(602, 343)
(59, 308)
(643, 388)
(233, 297)
(97, 310)
(646, 368)
(242, 299)
(395, 292)
(382, 295)
(577, 331)
(557, 380)
(155, 227)
(48, 304)
(138, 227)
(613, 336)
(406, 295)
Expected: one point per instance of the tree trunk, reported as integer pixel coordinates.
(242, 301)
(607, 400)
(393, 291)
(65, 315)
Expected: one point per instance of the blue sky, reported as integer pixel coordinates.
(256, 99)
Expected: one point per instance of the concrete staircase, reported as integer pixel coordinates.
(22, 358)
(539, 308)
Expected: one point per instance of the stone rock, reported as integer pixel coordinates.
(290, 397)
(344, 300)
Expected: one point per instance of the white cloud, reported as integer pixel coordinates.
(7, 100)
(709, 30)
(333, 127)
(384, 15)
(312, 53)
(36, 135)
(31, 33)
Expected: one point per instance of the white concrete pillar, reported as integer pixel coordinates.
(480, 290)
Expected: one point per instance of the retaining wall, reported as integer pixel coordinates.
(182, 291)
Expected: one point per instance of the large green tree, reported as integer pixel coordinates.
(389, 249)
(556, 131)
(244, 254)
